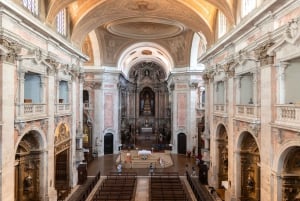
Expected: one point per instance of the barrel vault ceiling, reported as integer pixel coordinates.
(105, 29)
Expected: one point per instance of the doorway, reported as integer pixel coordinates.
(181, 141)
(108, 143)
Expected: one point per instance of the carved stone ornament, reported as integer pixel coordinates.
(254, 127)
(262, 55)
(229, 68)
(19, 126)
(9, 50)
(292, 30)
(92, 84)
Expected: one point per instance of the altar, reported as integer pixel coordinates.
(146, 130)
(144, 154)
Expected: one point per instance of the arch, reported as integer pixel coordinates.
(199, 45)
(282, 154)
(280, 160)
(221, 154)
(95, 42)
(134, 54)
(288, 188)
(248, 170)
(30, 166)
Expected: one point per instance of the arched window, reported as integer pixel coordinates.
(61, 22)
(247, 6)
(222, 24)
(32, 6)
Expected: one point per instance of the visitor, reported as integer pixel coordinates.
(186, 169)
(193, 172)
(151, 169)
(119, 168)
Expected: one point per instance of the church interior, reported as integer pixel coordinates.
(153, 100)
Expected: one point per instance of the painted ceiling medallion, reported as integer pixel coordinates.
(145, 28)
(141, 5)
(147, 52)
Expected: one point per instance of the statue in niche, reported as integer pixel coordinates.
(146, 104)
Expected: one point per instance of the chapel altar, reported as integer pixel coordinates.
(145, 107)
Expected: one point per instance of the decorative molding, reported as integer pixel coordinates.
(19, 126)
(261, 54)
(255, 128)
(229, 68)
(92, 84)
(290, 36)
(9, 50)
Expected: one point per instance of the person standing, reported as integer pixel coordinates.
(119, 168)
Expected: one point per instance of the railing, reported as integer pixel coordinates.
(288, 114)
(34, 109)
(220, 108)
(248, 111)
(63, 108)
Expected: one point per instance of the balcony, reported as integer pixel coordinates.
(63, 108)
(288, 115)
(29, 111)
(220, 108)
(34, 109)
(247, 111)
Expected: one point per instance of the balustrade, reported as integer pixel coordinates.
(288, 114)
(34, 109)
(248, 111)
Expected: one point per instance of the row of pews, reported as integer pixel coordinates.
(200, 191)
(167, 186)
(117, 187)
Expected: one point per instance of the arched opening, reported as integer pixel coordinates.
(291, 175)
(250, 168)
(28, 164)
(108, 143)
(222, 144)
(181, 140)
(62, 144)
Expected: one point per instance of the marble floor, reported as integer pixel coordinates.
(108, 164)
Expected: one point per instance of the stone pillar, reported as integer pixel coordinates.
(7, 149)
(98, 112)
(50, 160)
(267, 89)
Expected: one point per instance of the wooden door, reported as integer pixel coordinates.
(181, 141)
(108, 143)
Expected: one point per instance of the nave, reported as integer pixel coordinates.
(107, 167)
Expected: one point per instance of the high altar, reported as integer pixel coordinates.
(145, 109)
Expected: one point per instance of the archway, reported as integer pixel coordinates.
(250, 169)
(222, 144)
(28, 173)
(108, 143)
(290, 175)
(181, 140)
(62, 144)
